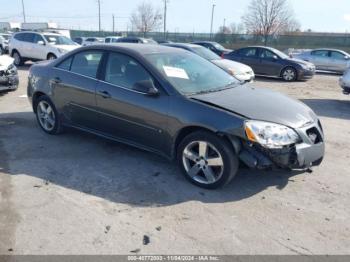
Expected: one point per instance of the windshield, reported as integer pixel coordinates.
(279, 53)
(190, 73)
(205, 53)
(218, 46)
(59, 40)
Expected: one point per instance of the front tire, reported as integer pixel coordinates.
(47, 116)
(51, 57)
(289, 74)
(18, 59)
(207, 160)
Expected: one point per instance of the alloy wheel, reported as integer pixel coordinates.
(289, 75)
(203, 162)
(46, 116)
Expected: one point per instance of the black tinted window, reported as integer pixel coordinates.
(65, 64)
(124, 71)
(267, 54)
(322, 53)
(28, 37)
(37, 38)
(19, 37)
(86, 63)
(248, 52)
(108, 40)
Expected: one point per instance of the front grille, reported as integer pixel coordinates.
(314, 135)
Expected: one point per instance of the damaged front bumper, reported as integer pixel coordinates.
(8, 80)
(309, 152)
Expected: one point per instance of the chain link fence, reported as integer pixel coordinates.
(234, 41)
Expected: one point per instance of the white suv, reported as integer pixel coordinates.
(39, 46)
(4, 43)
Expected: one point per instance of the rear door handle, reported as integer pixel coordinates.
(104, 94)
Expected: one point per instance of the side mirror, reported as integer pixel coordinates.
(275, 57)
(41, 43)
(346, 57)
(146, 87)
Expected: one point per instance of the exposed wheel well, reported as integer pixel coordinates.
(191, 129)
(50, 54)
(35, 98)
(13, 51)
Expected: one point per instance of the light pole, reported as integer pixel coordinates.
(113, 22)
(212, 20)
(165, 16)
(24, 13)
(99, 15)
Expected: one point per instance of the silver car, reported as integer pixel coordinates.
(327, 59)
(344, 82)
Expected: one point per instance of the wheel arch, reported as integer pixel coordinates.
(36, 95)
(232, 141)
(13, 51)
(50, 53)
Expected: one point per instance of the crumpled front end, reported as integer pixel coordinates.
(308, 152)
(9, 78)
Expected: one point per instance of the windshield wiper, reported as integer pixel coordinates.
(228, 86)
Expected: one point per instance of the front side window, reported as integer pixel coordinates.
(321, 53)
(65, 65)
(124, 71)
(337, 55)
(38, 38)
(190, 73)
(266, 54)
(86, 63)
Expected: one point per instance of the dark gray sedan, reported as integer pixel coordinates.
(267, 61)
(177, 104)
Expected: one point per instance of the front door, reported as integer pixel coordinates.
(269, 63)
(126, 114)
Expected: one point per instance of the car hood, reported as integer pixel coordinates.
(299, 61)
(67, 47)
(232, 65)
(5, 62)
(260, 104)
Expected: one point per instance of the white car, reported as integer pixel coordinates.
(112, 39)
(37, 46)
(93, 41)
(8, 74)
(4, 43)
(344, 82)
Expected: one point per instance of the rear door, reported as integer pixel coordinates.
(74, 83)
(249, 56)
(320, 58)
(125, 113)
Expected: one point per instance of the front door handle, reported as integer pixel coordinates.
(104, 94)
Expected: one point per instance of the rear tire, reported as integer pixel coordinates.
(207, 160)
(18, 59)
(2, 51)
(47, 116)
(289, 74)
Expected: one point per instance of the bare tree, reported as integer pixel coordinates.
(268, 18)
(224, 30)
(146, 18)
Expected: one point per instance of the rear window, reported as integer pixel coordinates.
(86, 63)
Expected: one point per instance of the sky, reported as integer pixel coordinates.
(183, 15)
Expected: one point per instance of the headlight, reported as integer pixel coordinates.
(270, 135)
(62, 51)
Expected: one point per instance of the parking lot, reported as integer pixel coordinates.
(80, 194)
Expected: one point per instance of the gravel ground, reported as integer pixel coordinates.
(79, 194)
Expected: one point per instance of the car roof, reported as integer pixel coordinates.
(136, 48)
(327, 49)
(205, 42)
(35, 32)
(185, 45)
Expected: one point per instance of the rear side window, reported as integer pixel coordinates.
(108, 40)
(19, 37)
(86, 63)
(249, 52)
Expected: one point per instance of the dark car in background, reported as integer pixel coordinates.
(267, 61)
(177, 104)
(136, 40)
(214, 47)
(240, 71)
